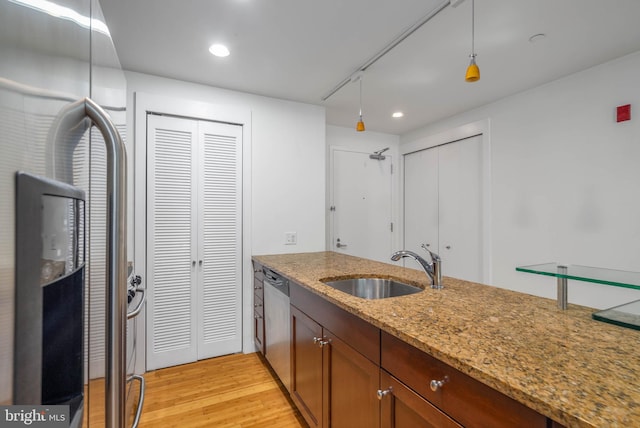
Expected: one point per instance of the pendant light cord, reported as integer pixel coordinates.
(360, 97)
(473, 30)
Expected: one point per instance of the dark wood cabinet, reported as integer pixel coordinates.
(468, 401)
(307, 367)
(258, 307)
(352, 383)
(401, 407)
(334, 383)
(347, 373)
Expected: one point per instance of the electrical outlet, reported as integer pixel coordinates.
(290, 238)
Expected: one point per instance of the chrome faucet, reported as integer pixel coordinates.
(433, 269)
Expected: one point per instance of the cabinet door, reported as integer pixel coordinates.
(352, 382)
(306, 367)
(403, 408)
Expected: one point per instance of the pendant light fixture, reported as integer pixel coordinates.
(473, 72)
(360, 124)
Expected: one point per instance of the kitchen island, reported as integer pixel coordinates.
(562, 364)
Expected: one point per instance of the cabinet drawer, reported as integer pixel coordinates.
(258, 288)
(402, 408)
(468, 401)
(258, 330)
(258, 304)
(359, 334)
(257, 271)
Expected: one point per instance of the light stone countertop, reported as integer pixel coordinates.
(575, 370)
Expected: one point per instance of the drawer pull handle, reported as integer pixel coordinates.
(257, 305)
(437, 384)
(381, 394)
(257, 287)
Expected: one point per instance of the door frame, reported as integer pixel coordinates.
(480, 128)
(152, 103)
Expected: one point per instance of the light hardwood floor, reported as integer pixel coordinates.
(237, 391)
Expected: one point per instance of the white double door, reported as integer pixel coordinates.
(194, 263)
(443, 197)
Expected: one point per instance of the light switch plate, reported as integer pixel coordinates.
(290, 238)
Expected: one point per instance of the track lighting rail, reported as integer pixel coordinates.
(395, 42)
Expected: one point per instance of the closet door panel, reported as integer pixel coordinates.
(461, 209)
(171, 238)
(220, 238)
(421, 202)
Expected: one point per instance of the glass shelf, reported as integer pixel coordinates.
(627, 315)
(617, 278)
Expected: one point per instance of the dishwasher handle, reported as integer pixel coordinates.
(279, 283)
(273, 278)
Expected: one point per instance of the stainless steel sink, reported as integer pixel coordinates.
(373, 288)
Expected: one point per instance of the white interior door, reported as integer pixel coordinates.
(421, 201)
(460, 210)
(443, 189)
(361, 205)
(219, 240)
(171, 241)
(194, 240)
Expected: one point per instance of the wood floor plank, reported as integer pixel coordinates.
(234, 391)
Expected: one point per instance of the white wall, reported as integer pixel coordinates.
(564, 179)
(350, 139)
(288, 161)
(287, 167)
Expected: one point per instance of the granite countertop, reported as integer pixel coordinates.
(575, 370)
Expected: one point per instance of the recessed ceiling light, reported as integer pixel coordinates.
(219, 50)
(397, 114)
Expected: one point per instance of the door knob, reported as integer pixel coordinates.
(339, 245)
(448, 247)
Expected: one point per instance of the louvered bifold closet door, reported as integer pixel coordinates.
(171, 241)
(220, 286)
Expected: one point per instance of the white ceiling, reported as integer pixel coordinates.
(301, 49)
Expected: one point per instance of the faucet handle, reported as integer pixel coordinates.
(434, 257)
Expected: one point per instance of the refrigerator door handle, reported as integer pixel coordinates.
(135, 312)
(115, 373)
(71, 117)
(136, 419)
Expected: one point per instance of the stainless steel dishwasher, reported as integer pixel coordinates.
(277, 325)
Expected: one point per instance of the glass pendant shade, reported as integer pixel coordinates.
(473, 72)
(360, 125)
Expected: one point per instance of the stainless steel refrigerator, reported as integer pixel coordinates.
(62, 118)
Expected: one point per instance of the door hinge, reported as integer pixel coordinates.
(332, 208)
(391, 168)
(392, 226)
